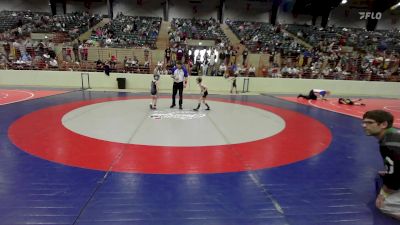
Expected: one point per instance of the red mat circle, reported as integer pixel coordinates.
(42, 134)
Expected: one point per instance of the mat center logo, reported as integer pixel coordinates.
(177, 115)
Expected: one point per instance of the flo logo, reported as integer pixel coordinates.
(372, 15)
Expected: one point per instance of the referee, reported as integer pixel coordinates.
(179, 75)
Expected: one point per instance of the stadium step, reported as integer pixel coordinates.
(87, 34)
(163, 38)
(300, 41)
(232, 37)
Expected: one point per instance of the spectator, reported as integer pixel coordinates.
(252, 71)
(75, 48)
(378, 123)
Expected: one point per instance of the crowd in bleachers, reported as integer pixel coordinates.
(264, 37)
(336, 53)
(13, 19)
(315, 64)
(219, 60)
(128, 31)
(358, 38)
(371, 56)
(344, 53)
(73, 24)
(13, 24)
(28, 54)
(222, 59)
(21, 52)
(68, 26)
(199, 29)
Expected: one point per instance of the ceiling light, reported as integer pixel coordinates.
(395, 6)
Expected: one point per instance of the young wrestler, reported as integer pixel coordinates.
(347, 101)
(204, 93)
(233, 86)
(314, 94)
(154, 91)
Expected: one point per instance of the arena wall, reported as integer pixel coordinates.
(247, 11)
(21, 5)
(284, 17)
(147, 8)
(99, 8)
(141, 82)
(185, 9)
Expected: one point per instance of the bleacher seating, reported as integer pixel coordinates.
(375, 56)
(358, 38)
(12, 19)
(129, 31)
(67, 27)
(261, 37)
(199, 29)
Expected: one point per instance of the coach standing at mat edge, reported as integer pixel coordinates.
(179, 74)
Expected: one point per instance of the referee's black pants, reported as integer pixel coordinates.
(177, 87)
